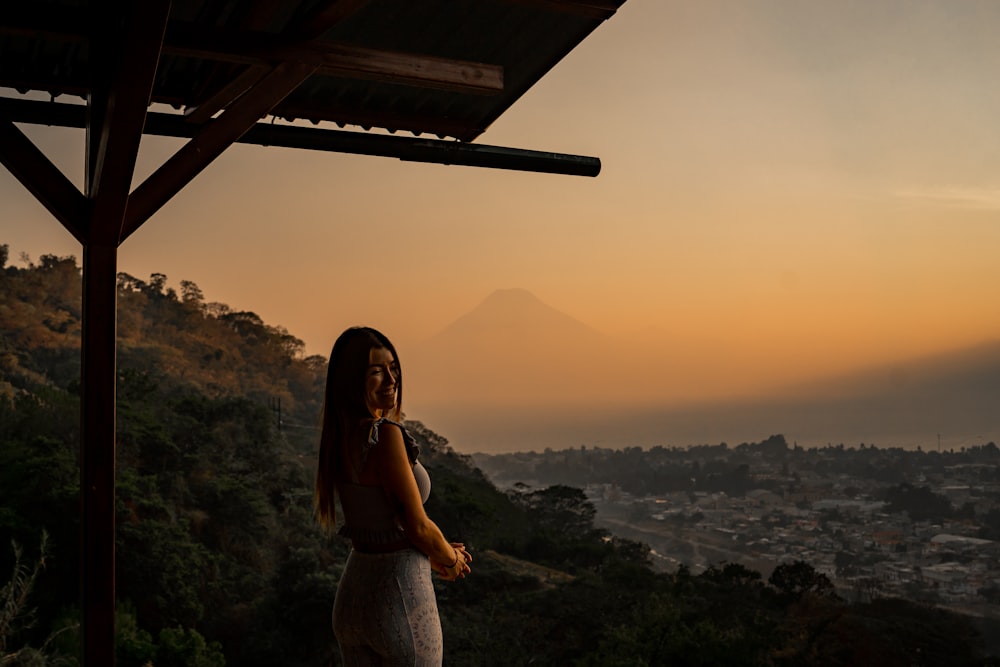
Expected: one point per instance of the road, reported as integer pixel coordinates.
(697, 549)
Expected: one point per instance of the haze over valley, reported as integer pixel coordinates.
(515, 373)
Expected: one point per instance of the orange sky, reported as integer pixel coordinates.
(792, 188)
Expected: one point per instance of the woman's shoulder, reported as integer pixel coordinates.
(383, 428)
(379, 428)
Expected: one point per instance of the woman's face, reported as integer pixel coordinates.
(381, 381)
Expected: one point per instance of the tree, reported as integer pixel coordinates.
(844, 562)
(735, 574)
(563, 509)
(869, 589)
(920, 503)
(191, 293)
(157, 281)
(14, 612)
(798, 578)
(16, 617)
(184, 647)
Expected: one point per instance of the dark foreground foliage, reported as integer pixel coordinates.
(220, 560)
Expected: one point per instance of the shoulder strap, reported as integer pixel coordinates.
(412, 448)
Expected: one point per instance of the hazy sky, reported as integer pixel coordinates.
(796, 187)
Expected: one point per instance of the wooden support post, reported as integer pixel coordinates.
(97, 454)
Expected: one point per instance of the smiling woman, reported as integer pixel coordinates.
(385, 611)
(381, 381)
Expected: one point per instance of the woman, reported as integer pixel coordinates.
(385, 612)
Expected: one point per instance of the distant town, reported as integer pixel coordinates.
(924, 526)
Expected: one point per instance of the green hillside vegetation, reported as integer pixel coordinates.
(220, 561)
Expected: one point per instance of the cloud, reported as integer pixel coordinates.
(974, 198)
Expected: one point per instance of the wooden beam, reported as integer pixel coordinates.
(106, 35)
(43, 179)
(229, 81)
(423, 150)
(356, 62)
(362, 143)
(333, 58)
(225, 96)
(97, 454)
(250, 47)
(121, 94)
(321, 20)
(209, 143)
(125, 49)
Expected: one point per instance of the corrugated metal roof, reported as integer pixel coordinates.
(442, 67)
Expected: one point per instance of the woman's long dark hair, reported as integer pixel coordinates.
(345, 408)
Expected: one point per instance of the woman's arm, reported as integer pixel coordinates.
(396, 474)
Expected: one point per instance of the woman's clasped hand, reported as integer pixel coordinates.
(456, 569)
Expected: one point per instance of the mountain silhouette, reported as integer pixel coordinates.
(520, 313)
(516, 373)
(513, 349)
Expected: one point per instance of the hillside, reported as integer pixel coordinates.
(220, 560)
(215, 529)
(174, 337)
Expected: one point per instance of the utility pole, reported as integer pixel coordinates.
(276, 409)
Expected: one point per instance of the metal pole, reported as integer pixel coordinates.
(97, 454)
(338, 141)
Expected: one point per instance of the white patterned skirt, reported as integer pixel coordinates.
(385, 612)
